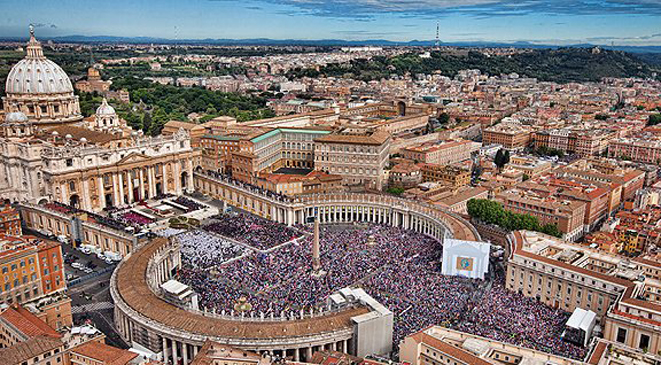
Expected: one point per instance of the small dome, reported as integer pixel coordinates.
(16, 118)
(55, 133)
(83, 140)
(105, 109)
(68, 136)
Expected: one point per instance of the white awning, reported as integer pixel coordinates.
(582, 319)
(174, 287)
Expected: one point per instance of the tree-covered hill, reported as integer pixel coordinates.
(559, 65)
(153, 105)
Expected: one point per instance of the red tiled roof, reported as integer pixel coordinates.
(107, 354)
(28, 323)
(450, 350)
(598, 352)
(26, 350)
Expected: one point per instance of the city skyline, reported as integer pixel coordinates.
(556, 22)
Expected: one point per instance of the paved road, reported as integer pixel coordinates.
(81, 258)
(92, 307)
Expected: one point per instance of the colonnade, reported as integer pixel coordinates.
(176, 350)
(176, 347)
(347, 212)
(330, 208)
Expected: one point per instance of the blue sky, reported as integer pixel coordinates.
(624, 22)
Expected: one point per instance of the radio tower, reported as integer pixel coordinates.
(438, 38)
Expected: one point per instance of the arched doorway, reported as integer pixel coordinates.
(108, 200)
(74, 201)
(184, 180)
(401, 108)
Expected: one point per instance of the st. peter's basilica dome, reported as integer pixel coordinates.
(40, 89)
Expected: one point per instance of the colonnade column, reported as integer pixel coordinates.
(102, 193)
(87, 201)
(165, 350)
(176, 171)
(121, 187)
(65, 195)
(150, 180)
(174, 351)
(141, 175)
(129, 185)
(115, 190)
(191, 183)
(164, 179)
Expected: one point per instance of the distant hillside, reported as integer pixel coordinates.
(107, 39)
(558, 65)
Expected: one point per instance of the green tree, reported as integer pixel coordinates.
(146, 122)
(395, 190)
(491, 212)
(444, 118)
(551, 229)
(502, 158)
(654, 119)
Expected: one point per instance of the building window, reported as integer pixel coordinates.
(621, 335)
(644, 343)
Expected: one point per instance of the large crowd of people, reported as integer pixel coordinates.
(257, 232)
(510, 317)
(399, 268)
(282, 280)
(190, 204)
(205, 251)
